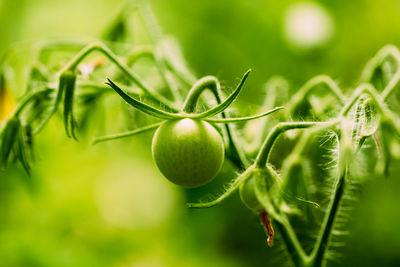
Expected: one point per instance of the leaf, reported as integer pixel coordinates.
(67, 85)
(8, 140)
(225, 104)
(371, 118)
(21, 151)
(39, 107)
(141, 106)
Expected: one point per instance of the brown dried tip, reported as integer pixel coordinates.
(269, 230)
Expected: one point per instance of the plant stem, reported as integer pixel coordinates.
(364, 88)
(389, 89)
(318, 253)
(262, 157)
(378, 59)
(312, 84)
(208, 82)
(27, 99)
(126, 134)
(293, 245)
(124, 68)
(143, 51)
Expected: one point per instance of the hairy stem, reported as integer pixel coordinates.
(262, 157)
(208, 82)
(312, 84)
(292, 243)
(364, 88)
(318, 253)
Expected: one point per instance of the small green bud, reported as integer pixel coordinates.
(67, 88)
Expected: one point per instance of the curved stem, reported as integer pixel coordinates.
(380, 104)
(312, 84)
(125, 69)
(143, 51)
(235, 154)
(282, 127)
(225, 104)
(27, 99)
(235, 185)
(207, 82)
(318, 253)
(364, 88)
(378, 59)
(292, 243)
(126, 134)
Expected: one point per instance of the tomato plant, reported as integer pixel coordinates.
(280, 177)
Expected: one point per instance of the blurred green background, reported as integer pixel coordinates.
(108, 205)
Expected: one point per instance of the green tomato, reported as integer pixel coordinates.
(188, 152)
(248, 195)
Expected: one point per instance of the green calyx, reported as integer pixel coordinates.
(257, 192)
(248, 195)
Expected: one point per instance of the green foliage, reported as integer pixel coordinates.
(301, 177)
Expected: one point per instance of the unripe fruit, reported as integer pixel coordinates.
(248, 195)
(188, 152)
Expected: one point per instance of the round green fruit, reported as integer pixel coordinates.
(188, 152)
(248, 195)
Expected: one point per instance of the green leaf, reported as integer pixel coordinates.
(141, 106)
(38, 107)
(225, 104)
(371, 118)
(8, 140)
(21, 151)
(67, 85)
